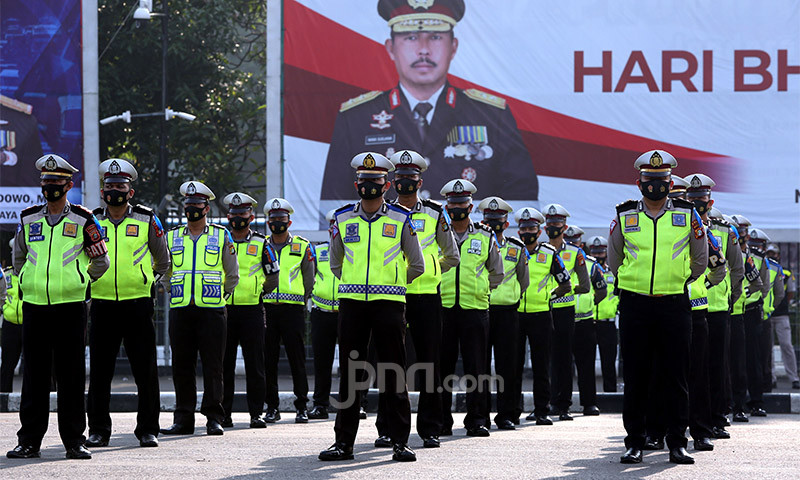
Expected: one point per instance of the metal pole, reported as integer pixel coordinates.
(91, 125)
(162, 166)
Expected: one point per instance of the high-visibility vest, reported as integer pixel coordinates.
(251, 272)
(738, 307)
(508, 292)
(290, 279)
(326, 286)
(719, 295)
(198, 276)
(467, 285)
(425, 218)
(769, 303)
(130, 270)
(607, 307)
(657, 259)
(569, 255)
(584, 307)
(12, 307)
(755, 293)
(536, 298)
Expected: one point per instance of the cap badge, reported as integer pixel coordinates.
(458, 187)
(276, 204)
(493, 205)
(114, 168)
(656, 160)
(191, 189)
(552, 210)
(50, 164)
(426, 4)
(369, 162)
(696, 182)
(526, 214)
(596, 242)
(405, 158)
(237, 200)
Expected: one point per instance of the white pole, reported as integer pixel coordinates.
(91, 125)
(274, 160)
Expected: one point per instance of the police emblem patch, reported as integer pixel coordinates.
(541, 258)
(526, 214)
(511, 256)
(351, 233)
(418, 224)
(50, 163)
(369, 161)
(678, 219)
(323, 255)
(552, 210)
(566, 256)
(390, 230)
(381, 120)
(252, 249)
(71, 230)
(405, 158)
(114, 168)
(191, 189)
(295, 249)
(695, 182)
(458, 187)
(132, 231)
(493, 204)
(276, 204)
(474, 246)
(656, 160)
(104, 231)
(213, 240)
(35, 234)
(426, 4)
(470, 174)
(631, 223)
(237, 200)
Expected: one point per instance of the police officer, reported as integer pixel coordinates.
(678, 189)
(656, 246)
(367, 244)
(465, 298)
(548, 279)
(11, 339)
(605, 314)
(122, 305)
(423, 298)
(203, 274)
(58, 251)
(780, 321)
(324, 323)
(564, 308)
(759, 240)
(246, 325)
(285, 308)
(503, 315)
(585, 344)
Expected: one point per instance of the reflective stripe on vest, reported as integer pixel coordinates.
(425, 226)
(468, 283)
(130, 270)
(12, 307)
(251, 273)
(326, 285)
(584, 307)
(536, 297)
(290, 279)
(607, 308)
(508, 292)
(569, 255)
(769, 302)
(755, 294)
(197, 272)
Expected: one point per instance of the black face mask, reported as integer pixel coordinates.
(700, 206)
(52, 192)
(528, 238)
(405, 186)
(458, 213)
(278, 227)
(370, 190)
(115, 198)
(495, 225)
(655, 189)
(553, 231)
(238, 223)
(194, 213)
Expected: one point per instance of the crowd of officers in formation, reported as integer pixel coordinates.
(692, 288)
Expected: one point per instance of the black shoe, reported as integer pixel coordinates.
(446, 432)
(796, 385)
(337, 451)
(96, 440)
(79, 452)
(402, 453)
(564, 416)
(227, 422)
(24, 451)
(362, 414)
(531, 417)
(651, 443)
(591, 411)
(543, 420)
(178, 429)
(383, 442)
(703, 445)
(148, 440)
(272, 415)
(758, 412)
(720, 432)
(479, 431)
(214, 428)
(431, 442)
(516, 421)
(318, 413)
(257, 422)
(680, 456)
(740, 417)
(505, 425)
(631, 455)
(301, 416)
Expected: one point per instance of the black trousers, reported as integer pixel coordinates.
(194, 329)
(655, 327)
(738, 364)
(584, 350)
(323, 340)
(246, 327)
(504, 339)
(767, 341)
(537, 329)
(607, 344)
(561, 357)
(130, 323)
(11, 344)
(752, 344)
(53, 336)
(384, 321)
(700, 424)
(718, 368)
(287, 323)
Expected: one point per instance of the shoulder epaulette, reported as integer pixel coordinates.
(547, 246)
(758, 254)
(258, 234)
(356, 101)
(626, 205)
(217, 225)
(14, 104)
(516, 241)
(81, 210)
(176, 227)
(487, 98)
(30, 210)
(483, 227)
(139, 208)
(98, 211)
(679, 202)
(7, 270)
(398, 208)
(589, 257)
(433, 204)
(301, 238)
(345, 208)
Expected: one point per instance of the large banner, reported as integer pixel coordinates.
(40, 97)
(540, 102)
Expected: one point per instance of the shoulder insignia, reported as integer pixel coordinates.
(399, 208)
(480, 226)
(98, 211)
(30, 210)
(363, 98)
(679, 202)
(433, 204)
(487, 98)
(139, 208)
(176, 227)
(547, 246)
(258, 235)
(304, 239)
(626, 205)
(516, 241)
(81, 210)
(345, 208)
(14, 104)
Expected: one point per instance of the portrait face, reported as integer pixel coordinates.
(422, 58)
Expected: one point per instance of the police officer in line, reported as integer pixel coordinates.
(605, 315)
(678, 189)
(285, 308)
(780, 321)
(368, 242)
(423, 297)
(740, 361)
(585, 342)
(548, 280)
(58, 251)
(465, 298)
(122, 305)
(11, 339)
(203, 274)
(324, 323)
(503, 315)
(246, 325)
(564, 309)
(656, 247)
(759, 240)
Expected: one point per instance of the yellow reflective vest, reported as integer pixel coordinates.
(197, 273)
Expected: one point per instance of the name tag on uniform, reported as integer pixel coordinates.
(178, 241)
(294, 249)
(418, 224)
(390, 230)
(541, 258)
(678, 219)
(351, 233)
(252, 249)
(213, 240)
(322, 256)
(379, 139)
(35, 234)
(632, 223)
(71, 230)
(132, 231)
(474, 246)
(511, 256)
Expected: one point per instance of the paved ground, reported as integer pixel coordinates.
(585, 448)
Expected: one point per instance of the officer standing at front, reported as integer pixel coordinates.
(58, 251)
(605, 316)
(11, 338)
(285, 308)
(656, 247)
(465, 298)
(258, 274)
(203, 274)
(122, 305)
(367, 242)
(503, 315)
